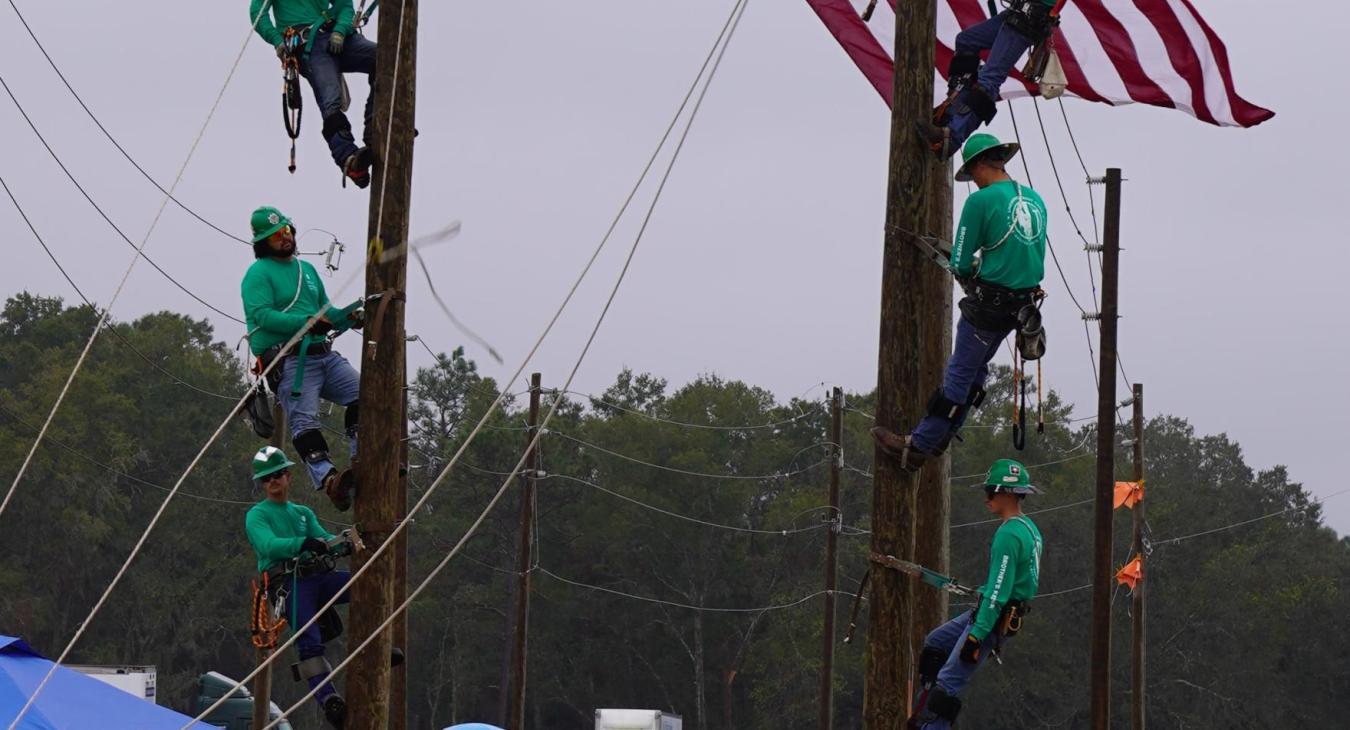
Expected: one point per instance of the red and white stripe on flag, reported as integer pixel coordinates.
(1157, 52)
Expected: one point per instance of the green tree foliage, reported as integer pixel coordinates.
(679, 548)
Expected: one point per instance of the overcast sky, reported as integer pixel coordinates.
(761, 262)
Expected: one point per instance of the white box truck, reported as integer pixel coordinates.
(136, 680)
(611, 719)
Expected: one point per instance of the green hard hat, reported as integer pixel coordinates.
(267, 220)
(1010, 475)
(269, 460)
(979, 144)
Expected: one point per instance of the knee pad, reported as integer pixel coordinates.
(315, 666)
(963, 64)
(941, 406)
(943, 705)
(311, 445)
(930, 663)
(973, 99)
(336, 124)
(352, 418)
(330, 625)
(976, 397)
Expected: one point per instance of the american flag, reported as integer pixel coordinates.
(1157, 52)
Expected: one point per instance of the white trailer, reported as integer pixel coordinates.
(612, 719)
(137, 680)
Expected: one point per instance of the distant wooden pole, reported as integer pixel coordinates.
(1138, 655)
(520, 647)
(1103, 510)
(831, 560)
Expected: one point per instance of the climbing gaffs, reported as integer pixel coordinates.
(317, 36)
(281, 294)
(998, 257)
(972, 88)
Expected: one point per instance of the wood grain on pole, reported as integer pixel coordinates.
(1104, 508)
(914, 310)
(827, 634)
(382, 364)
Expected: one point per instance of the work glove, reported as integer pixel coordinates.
(281, 51)
(358, 319)
(335, 42)
(970, 650)
(314, 545)
(321, 327)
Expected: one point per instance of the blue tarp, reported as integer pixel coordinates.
(72, 701)
(473, 726)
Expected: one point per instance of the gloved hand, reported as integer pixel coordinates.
(281, 51)
(358, 318)
(970, 650)
(321, 326)
(314, 545)
(335, 42)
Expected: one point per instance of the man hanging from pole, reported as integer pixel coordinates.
(281, 294)
(973, 89)
(954, 650)
(320, 32)
(297, 557)
(998, 257)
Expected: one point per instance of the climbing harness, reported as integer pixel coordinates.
(292, 105)
(265, 620)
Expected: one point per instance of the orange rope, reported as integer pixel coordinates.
(264, 631)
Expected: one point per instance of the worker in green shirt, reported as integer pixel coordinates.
(954, 650)
(972, 87)
(294, 552)
(281, 294)
(328, 49)
(999, 259)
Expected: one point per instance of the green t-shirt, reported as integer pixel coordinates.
(1014, 572)
(277, 530)
(1006, 222)
(289, 13)
(272, 311)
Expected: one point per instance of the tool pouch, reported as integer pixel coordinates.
(1010, 621)
(1030, 333)
(257, 411)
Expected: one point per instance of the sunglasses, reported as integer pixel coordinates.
(274, 476)
(989, 492)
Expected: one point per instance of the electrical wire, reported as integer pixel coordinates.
(108, 134)
(704, 426)
(686, 472)
(402, 525)
(1174, 540)
(691, 607)
(140, 250)
(695, 520)
(111, 327)
(78, 363)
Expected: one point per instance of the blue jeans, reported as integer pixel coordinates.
(1005, 47)
(327, 376)
(309, 594)
(967, 369)
(955, 674)
(324, 71)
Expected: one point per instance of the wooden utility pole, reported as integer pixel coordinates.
(383, 360)
(914, 306)
(520, 646)
(1137, 655)
(262, 683)
(831, 560)
(933, 503)
(1103, 510)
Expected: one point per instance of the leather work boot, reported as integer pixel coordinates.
(339, 485)
(899, 448)
(357, 168)
(937, 139)
(335, 710)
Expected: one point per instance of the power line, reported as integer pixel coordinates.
(705, 426)
(140, 250)
(695, 520)
(108, 134)
(1174, 540)
(691, 607)
(686, 472)
(111, 327)
(728, 30)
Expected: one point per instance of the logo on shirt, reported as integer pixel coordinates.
(1028, 221)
